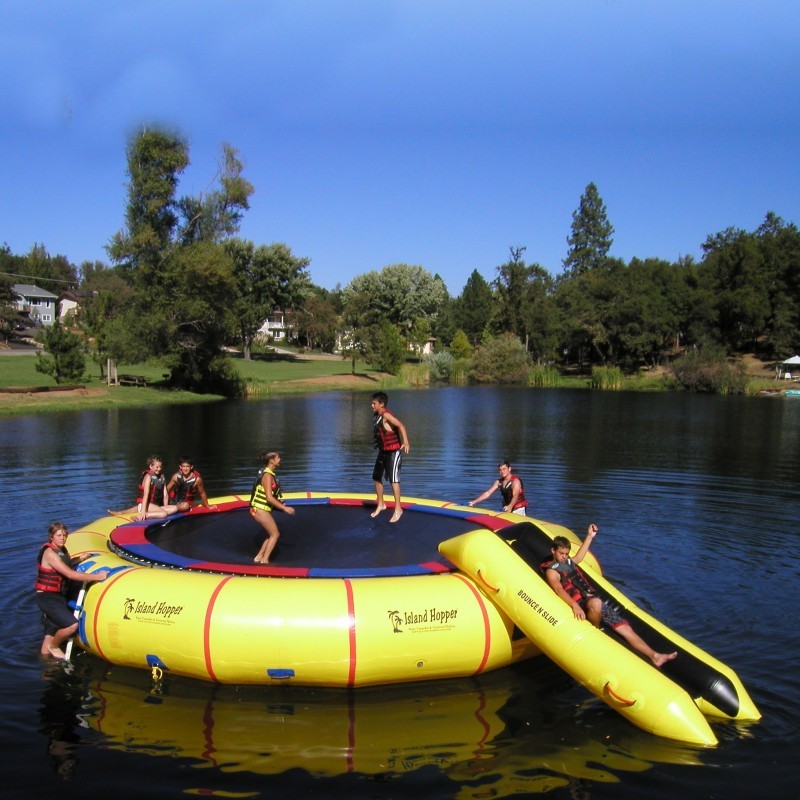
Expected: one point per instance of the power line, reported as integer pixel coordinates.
(37, 278)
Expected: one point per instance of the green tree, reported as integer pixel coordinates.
(316, 319)
(385, 347)
(8, 312)
(646, 315)
(419, 335)
(734, 274)
(105, 297)
(779, 244)
(542, 320)
(184, 289)
(63, 357)
(217, 215)
(590, 239)
(503, 359)
(53, 273)
(511, 289)
(472, 309)
(359, 317)
(267, 277)
(156, 159)
(461, 347)
(400, 293)
(584, 302)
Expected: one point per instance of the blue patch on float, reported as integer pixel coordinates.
(280, 674)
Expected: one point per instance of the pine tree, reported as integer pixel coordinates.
(590, 239)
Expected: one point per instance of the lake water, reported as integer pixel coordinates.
(697, 499)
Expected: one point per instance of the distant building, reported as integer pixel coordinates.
(35, 303)
(68, 307)
(275, 325)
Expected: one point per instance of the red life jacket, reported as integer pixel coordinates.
(573, 581)
(387, 440)
(156, 496)
(507, 490)
(185, 488)
(48, 580)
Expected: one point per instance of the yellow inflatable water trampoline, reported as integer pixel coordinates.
(351, 600)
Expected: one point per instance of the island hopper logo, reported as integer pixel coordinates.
(425, 619)
(159, 612)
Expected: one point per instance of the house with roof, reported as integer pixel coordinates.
(39, 305)
(275, 326)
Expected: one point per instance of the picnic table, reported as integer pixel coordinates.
(131, 380)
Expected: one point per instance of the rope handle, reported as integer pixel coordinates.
(618, 697)
(487, 585)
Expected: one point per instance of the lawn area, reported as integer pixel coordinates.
(264, 375)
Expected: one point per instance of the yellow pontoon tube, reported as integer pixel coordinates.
(669, 702)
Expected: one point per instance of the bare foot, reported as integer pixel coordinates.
(378, 510)
(58, 654)
(398, 512)
(120, 514)
(659, 659)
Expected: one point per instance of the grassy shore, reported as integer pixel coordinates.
(264, 375)
(271, 374)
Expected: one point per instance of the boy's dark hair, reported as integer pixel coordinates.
(381, 397)
(561, 541)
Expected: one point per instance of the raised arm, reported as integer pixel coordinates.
(591, 532)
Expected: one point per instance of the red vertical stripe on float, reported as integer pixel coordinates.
(351, 616)
(487, 633)
(207, 628)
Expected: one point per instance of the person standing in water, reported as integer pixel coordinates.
(265, 497)
(55, 570)
(510, 487)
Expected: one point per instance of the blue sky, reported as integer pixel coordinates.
(431, 133)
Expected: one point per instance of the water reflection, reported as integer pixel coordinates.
(493, 736)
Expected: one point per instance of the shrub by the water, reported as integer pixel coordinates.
(439, 364)
(503, 359)
(415, 374)
(543, 377)
(606, 378)
(698, 371)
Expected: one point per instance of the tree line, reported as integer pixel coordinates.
(182, 284)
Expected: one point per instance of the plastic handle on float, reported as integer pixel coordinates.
(618, 697)
(495, 589)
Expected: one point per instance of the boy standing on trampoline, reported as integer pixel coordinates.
(391, 439)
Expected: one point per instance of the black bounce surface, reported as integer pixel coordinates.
(316, 536)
